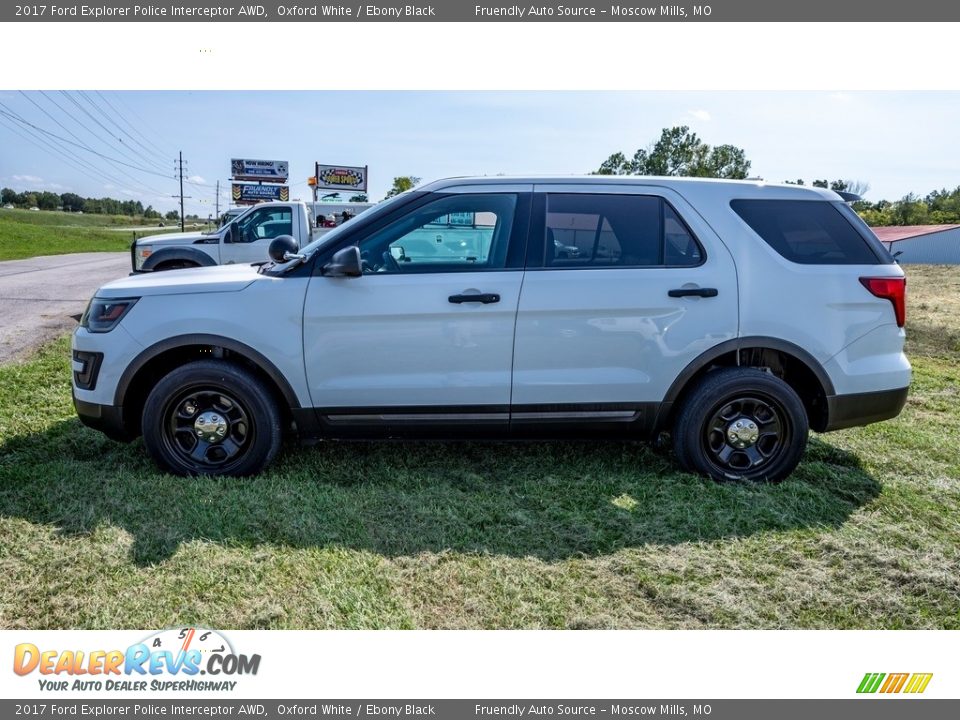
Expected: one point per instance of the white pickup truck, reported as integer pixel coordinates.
(245, 239)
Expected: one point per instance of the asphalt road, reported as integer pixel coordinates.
(41, 298)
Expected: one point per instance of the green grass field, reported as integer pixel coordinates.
(865, 534)
(24, 233)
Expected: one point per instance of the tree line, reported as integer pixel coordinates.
(71, 202)
(677, 152)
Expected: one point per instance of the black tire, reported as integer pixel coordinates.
(175, 265)
(767, 445)
(231, 409)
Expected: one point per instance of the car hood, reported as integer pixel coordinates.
(218, 278)
(174, 239)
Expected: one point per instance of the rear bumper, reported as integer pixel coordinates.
(108, 419)
(855, 409)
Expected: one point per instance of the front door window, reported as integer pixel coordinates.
(458, 233)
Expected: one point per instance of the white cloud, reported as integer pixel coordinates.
(840, 97)
(701, 115)
(28, 178)
(197, 179)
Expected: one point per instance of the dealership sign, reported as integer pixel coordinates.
(341, 177)
(250, 194)
(260, 170)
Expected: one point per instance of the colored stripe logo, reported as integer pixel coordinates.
(913, 683)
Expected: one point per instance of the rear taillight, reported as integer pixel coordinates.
(893, 289)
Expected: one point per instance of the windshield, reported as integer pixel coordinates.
(228, 217)
(365, 217)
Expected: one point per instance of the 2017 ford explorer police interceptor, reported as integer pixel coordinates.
(735, 315)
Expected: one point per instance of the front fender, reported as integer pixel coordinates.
(185, 254)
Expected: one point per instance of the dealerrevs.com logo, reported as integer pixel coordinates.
(180, 659)
(891, 683)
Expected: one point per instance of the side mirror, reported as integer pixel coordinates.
(280, 246)
(344, 263)
(232, 233)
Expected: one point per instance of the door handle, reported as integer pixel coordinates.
(693, 292)
(485, 298)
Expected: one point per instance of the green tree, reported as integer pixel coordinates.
(402, 184)
(150, 213)
(944, 205)
(8, 195)
(910, 210)
(71, 202)
(173, 215)
(680, 152)
(48, 200)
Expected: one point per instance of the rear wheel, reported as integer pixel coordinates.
(741, 424)
(211, 417)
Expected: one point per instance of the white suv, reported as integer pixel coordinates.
(733, 315)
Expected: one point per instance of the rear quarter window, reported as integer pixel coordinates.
(809, 232)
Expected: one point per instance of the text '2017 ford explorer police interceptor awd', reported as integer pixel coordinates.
(735, 315)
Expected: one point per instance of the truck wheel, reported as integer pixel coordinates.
(211, 417)
(175, 265)
(741, 424)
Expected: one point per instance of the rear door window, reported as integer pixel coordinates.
(586, 230)
(809, 232)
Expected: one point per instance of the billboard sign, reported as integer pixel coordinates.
(341, 177)
(260, 170)
(252, 194)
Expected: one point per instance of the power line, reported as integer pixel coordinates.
(206, 189)
(84, 145)
(153, 150)
(86, 112)
(143, 124)
(106, 116)
(44, 111)
(93, 167)
(6, 111)
(56, 145)
(46, 145)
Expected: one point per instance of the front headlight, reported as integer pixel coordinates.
(143, 252)
(103, 314)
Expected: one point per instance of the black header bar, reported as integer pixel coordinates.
(473, 11)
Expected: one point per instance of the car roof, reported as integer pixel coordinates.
(716, 188)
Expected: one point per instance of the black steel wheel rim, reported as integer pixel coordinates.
(200, 445)
(745, 434)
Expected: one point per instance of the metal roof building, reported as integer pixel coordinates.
(933, 244)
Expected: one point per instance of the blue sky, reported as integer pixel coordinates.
(897, 142)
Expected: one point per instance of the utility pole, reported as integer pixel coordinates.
(217, 216)
(183, 219)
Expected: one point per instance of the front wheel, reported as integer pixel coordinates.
(741, 424)
(211, 417)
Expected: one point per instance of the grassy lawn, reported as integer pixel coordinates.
(26, 234)
(866, 534)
